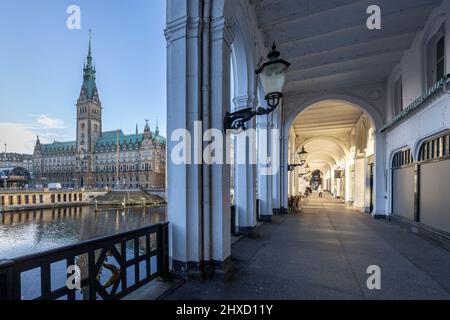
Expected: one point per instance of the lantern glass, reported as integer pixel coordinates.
(273, 73)
(273, 77)
(303, 155)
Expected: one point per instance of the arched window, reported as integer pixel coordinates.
(435, 60)
(435, 148)
(402, 158)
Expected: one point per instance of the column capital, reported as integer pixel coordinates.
(359, 156)
(221, 29)
(243, 102)
(184, 27)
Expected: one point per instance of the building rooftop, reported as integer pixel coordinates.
(15, 157)
(109, 138)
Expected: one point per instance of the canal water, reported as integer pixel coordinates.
(33, 231)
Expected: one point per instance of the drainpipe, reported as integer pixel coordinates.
(206, 265)
(283, 169)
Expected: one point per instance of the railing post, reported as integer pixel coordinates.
(7, 281)
(163, 254)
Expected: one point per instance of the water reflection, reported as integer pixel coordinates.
(27, 232)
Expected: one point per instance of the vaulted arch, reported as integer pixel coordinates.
(343, 148)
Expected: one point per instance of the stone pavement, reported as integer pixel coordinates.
(324, 253)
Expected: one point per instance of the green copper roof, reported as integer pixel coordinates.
(109, 138)
(59, 147)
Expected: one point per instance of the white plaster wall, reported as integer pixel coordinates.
(432, 119)
(412, 64)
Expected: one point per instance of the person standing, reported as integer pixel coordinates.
(320, 190)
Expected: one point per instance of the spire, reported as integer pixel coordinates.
(147, 132)
(157, 128)
(37, 146)
(90, 40)
(89, 57)
(137, 131)
(89, 85)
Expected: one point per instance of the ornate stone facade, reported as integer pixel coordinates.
(101, 159)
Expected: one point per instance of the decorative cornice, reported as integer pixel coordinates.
(418, 103)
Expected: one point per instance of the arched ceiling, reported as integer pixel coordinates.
(328, 118)
(324, 130)
(329, 44)
(315, 155)
(323, 145)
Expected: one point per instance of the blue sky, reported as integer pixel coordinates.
(41, 67)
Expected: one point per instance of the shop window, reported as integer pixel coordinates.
(402, 158)
(435, 148)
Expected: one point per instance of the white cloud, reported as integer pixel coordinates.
(50, 123)
(17, 136)
(21, 137)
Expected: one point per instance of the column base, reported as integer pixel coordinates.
(223, 270)
(368, 210)
(187, 270)
(245, 230)
(249, 232)
(265, 218)
(280, 211)
(380, 216)
(206, 270)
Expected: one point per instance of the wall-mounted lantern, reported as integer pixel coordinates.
(303, 155)
(273, 77)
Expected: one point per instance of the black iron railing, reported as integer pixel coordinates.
(131, 260)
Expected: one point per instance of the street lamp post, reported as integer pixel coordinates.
(273, 76)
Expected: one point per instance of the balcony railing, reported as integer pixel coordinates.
(132, 259)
